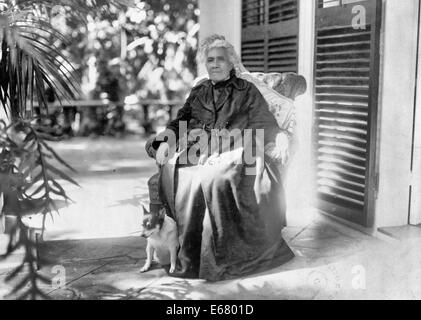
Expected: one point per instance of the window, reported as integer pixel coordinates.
(270, 35)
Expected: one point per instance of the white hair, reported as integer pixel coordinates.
(218, 41)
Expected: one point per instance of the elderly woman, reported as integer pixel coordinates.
(226, 197)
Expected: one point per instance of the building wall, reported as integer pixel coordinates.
(221, 17)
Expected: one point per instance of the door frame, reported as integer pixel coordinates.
(415, 201)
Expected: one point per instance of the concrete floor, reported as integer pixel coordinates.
(93, 243)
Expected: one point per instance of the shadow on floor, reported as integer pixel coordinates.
(109, 269)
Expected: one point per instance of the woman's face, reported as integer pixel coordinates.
(218, 64)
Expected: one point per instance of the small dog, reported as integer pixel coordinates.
(161, 232)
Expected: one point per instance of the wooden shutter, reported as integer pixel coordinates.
(270, 35)
(345, 113)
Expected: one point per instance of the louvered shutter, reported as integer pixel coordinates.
(270, 35)
(346, 92)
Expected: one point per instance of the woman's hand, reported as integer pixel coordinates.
(280, 152)
(260, 167)
(162, 154)
(202, 160)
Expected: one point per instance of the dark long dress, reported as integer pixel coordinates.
(225, 231)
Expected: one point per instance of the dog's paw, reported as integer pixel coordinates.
(145, 268)
(172, 269)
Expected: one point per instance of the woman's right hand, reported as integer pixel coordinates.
(162, 154)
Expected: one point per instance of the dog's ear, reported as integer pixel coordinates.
(144, 210)
(162, 213)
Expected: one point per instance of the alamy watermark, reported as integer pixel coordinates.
(59, 280)
(329, 282)
(207, 146)
(359, 21)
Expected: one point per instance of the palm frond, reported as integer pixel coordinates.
(29, 63)
(35, 183)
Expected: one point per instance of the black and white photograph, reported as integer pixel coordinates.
(210, 150)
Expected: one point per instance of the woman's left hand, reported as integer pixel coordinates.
(281, 150)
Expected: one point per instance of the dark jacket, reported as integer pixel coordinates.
(239, 106)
